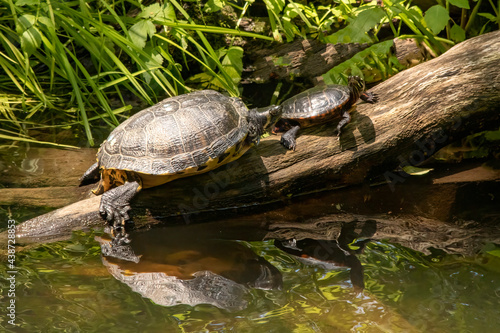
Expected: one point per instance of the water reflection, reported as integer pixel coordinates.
(171, 266)
(330, 254)
(64, 285)
(173, 269)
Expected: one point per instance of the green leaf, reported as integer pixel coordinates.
(158, 12)
(213, 6)
(415, 171)
(25, 22)
(460, 3)
(151, 11)
(416, 11)
(75, 248)
(436, 18)
(31, 40)
(356, 31)
(337, 74)
(489, 16)
(153, 61)
(233, 63)
(200, 78)
(139, 32)
(492, 135)
(355, 70)
(494, 253)
(30, 35)
(169, 12)
(290, 30)
(43, 20)
(457, 33)
(275, 5)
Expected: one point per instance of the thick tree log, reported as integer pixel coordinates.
(310, 59)
(420, 110)
(301, 58)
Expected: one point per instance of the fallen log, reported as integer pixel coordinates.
(310, 59)
(303, 58)
(420, 110)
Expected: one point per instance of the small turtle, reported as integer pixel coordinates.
(318, 105)
(181, 136)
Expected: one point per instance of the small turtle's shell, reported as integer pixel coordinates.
(182, 134)
(318, 102)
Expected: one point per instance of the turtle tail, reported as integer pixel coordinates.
(91, 176)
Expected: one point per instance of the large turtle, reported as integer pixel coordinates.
(178, 137)
(318, 105)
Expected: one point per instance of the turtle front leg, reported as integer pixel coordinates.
(114, 208)
(369, 97)
(288, 139)
(346, 118)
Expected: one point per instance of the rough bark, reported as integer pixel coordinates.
(310, 59)
(301, 58)
(420, 110)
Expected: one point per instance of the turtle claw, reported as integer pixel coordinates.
(111, 212)
(120, 237)
(114, 213)
(106, 213)
(114, 209)
(288, 142)
(369, 97)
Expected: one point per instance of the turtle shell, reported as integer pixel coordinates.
(317, 102)
(180, 136)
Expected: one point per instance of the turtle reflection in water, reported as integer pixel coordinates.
(330, 254)
(190, 272)
(181, 136)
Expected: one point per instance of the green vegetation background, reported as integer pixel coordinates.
(77, 66)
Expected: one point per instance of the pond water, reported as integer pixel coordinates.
(302, 266)
(204, 278)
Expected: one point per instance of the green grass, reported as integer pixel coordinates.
(86, 54)
(78, 64)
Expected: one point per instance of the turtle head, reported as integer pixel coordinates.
(262, 120)
(270, 116)
(357, 85)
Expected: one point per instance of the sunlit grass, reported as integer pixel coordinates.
(63, 63)
(77, 63)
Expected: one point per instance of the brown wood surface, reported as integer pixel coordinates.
(310, 59)
(420, 110)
